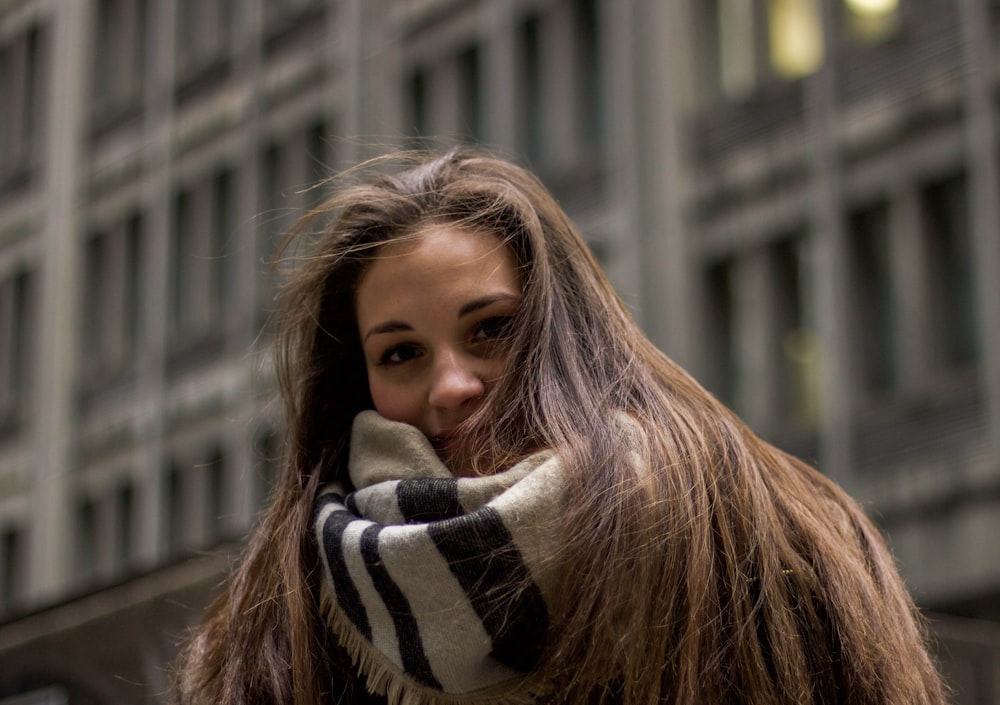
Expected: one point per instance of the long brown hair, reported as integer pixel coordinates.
(715, 569)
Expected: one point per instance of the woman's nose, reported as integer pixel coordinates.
(455, 382)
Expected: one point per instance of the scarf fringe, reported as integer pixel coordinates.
(383, 678)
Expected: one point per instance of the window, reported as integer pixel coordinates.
(720, 339)
(16, 343)
(220, 235)
(184, 300)
(728, 49)
(530, 102)
(277, 215)
(444, 97)
(134, 277)
(745, 44)
(94, 298)
(290, 170)
(470, 94)
(204, 30)
(178, 514)
(292, 166)
(124, 523)
(589, 94)
(871, 21)
(87, 539)
(13, 566)
(266, 457)
(119, 62)
(951, 279)
(758, 337)
(319, 154)
(203, 221)
(21, 91)
(796, 37)
(870, 297)
(416, 89)
(112, 300)
(794, 341)
(214, 471)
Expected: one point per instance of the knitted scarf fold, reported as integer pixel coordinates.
(438, 586)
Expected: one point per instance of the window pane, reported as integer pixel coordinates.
(951, 276)
(530, 90)
(13, 569)
(470, 95)
(215, 491)
(125, 531)
(223, 220)
(796, 338)
(872, 21)
(177, 516)
(720, 331)
(796, 37)
(589, 91)
(134, 280)
(871, 296)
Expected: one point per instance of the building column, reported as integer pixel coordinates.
(499, 75)
(823, 126)
(617, 150)
(557, 74)
(442, 97)
(981, 155)
(350, 24)
(150, 541)
(664, 100)
(758, 367)
(55, 429)
(248, 272)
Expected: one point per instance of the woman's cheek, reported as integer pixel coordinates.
(394, 401)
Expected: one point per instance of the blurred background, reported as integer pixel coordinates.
(799, 200)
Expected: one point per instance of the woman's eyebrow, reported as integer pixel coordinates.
(483, 302)
(387, 327)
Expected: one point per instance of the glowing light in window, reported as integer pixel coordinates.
(873, 8)
(796, 37)
(872, 21)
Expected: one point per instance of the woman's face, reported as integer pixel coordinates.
(433, 315)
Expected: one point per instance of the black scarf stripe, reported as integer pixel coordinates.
(347, 594)
(428, 499)
(351, 504)
(411, 649)
(488, 565)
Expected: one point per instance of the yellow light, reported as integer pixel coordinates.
(873, 8)
(796, 37)
(873, 21)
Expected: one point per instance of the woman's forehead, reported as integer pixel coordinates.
(441, 264)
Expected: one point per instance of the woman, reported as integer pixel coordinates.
(614, 533)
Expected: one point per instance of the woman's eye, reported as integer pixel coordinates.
(398, 354)
(492, 329)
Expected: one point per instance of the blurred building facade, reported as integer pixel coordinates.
(799, 199)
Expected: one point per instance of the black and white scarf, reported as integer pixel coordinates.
(437, 586)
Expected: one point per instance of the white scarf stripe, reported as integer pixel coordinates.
(383, 629)
(368, 506)
(443, 612)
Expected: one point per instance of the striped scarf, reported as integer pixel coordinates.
(437, 585)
